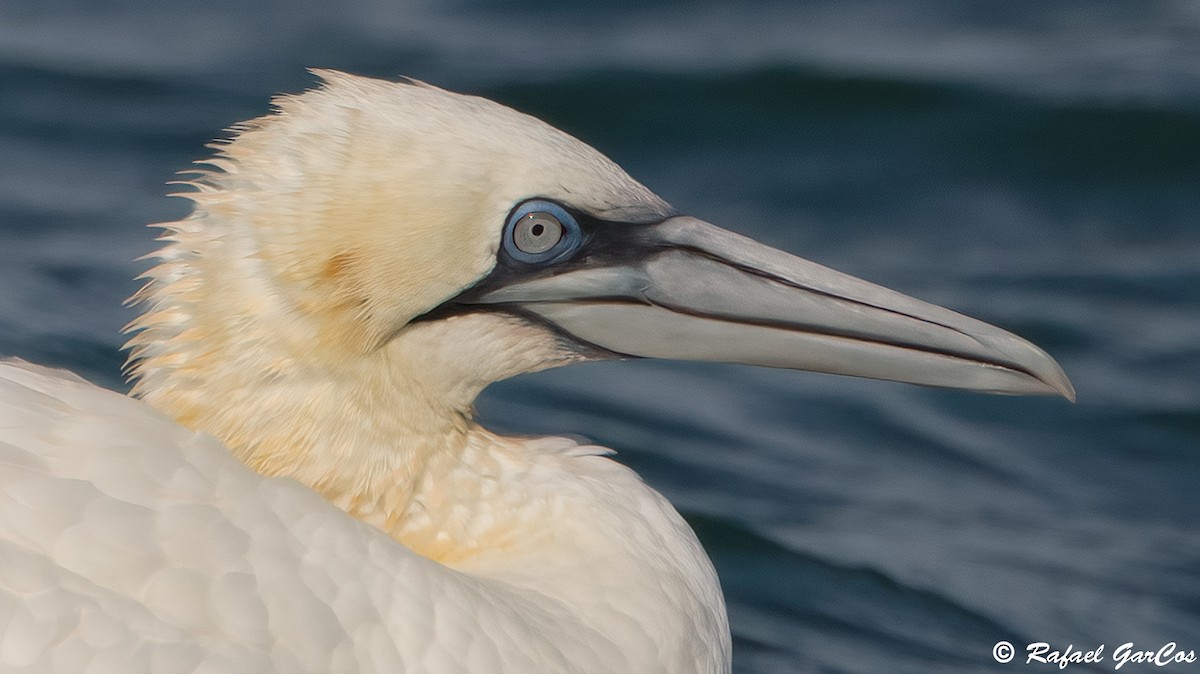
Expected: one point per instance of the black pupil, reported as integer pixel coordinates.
(538, 229)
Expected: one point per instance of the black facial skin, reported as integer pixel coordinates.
(606, 243)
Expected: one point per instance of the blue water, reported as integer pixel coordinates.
(1036, 165)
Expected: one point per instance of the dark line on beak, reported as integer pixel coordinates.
(777, 325)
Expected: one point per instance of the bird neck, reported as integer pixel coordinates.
(283, 371)
(362, 434)
(385, 430)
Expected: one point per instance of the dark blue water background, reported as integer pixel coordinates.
(1033, 164)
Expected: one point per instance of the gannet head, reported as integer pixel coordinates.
(398, 247)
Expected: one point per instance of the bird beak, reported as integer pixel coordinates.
(684, 289)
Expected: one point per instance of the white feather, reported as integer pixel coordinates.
(384, 530)
(130, 544)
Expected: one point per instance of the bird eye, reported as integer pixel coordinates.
(539, 232)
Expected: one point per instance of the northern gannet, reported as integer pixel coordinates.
(358, 266)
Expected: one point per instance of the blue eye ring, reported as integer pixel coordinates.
(529, 225)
